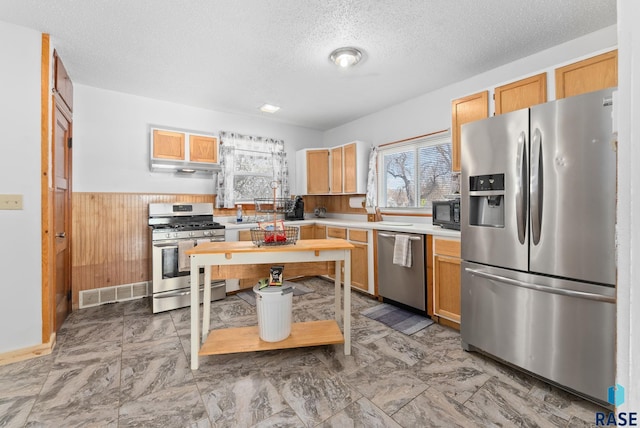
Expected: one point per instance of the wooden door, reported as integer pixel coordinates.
(465, 110)
(592, 74)
(317, 172)
(61, 163)
(521, 94)
(336, 170)
(350, 168)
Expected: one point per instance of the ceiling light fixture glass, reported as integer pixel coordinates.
(268, 108)
(345, 57)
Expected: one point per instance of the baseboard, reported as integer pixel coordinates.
(28, 353)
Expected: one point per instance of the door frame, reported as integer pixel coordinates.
(50, 102)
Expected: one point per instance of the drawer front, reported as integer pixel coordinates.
(337, 232)
(358, 235)
(447, 247)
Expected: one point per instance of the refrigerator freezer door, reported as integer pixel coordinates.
(494, 146)
(573, 189)
(563, 331)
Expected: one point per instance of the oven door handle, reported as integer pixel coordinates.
(167, 244)
(174, 294)
(188, 292)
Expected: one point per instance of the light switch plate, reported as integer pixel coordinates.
(10, 202)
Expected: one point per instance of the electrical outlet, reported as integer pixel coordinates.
(10, 202)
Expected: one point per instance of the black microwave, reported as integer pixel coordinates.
(446, 214)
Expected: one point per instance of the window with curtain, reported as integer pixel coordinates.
(249, 166)
(415, 172)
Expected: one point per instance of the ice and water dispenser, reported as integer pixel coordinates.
(486, 200)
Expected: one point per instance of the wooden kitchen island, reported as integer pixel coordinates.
(245, 254)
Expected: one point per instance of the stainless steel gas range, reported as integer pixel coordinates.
(174, 229)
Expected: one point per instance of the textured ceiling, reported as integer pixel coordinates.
(235, 55)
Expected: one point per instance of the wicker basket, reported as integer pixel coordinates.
(286, 236)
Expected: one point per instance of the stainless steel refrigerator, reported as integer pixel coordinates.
(538, 241)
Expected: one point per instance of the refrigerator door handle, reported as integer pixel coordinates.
(521, 170)
(543, 288)
(536, 192)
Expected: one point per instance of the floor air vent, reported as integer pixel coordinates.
(118, 293)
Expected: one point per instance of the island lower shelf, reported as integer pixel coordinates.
(247, 339)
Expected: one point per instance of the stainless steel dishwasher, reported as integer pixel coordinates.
(405, 285)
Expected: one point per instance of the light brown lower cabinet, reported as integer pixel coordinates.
(359, 255)
(312, 231)
(446, 279)
(360, 266)
(307, 232)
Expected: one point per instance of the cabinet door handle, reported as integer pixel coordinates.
(61, 235)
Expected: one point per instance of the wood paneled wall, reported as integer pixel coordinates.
(111, 238)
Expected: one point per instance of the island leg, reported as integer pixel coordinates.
(338, 306)
(206, 303)
(346, 328)
(195, 313)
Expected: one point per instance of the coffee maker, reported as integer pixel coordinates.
(298, 210)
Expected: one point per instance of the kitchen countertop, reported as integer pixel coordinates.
(394, 226)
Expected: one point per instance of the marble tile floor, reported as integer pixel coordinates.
(119, 365)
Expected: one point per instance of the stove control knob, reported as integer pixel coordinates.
(168, 235)
(207, 233)
(175, 234)
(192, 234)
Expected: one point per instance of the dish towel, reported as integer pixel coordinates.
(402, 251)
(184, 264)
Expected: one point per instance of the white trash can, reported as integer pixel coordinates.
(274, 306)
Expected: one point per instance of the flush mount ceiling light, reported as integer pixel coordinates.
(268, 108)
(345, 57)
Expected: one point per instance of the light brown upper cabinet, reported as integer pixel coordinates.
(203, 148)
(168, 144)
(182, 151)
(465, 110)
(521, 94)
(344, 169)
(591, 74)
(317, 171)
(350, 172)
(336, 170)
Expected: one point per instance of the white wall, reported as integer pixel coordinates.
(431, 112)
(20, 252)
(111, 141)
